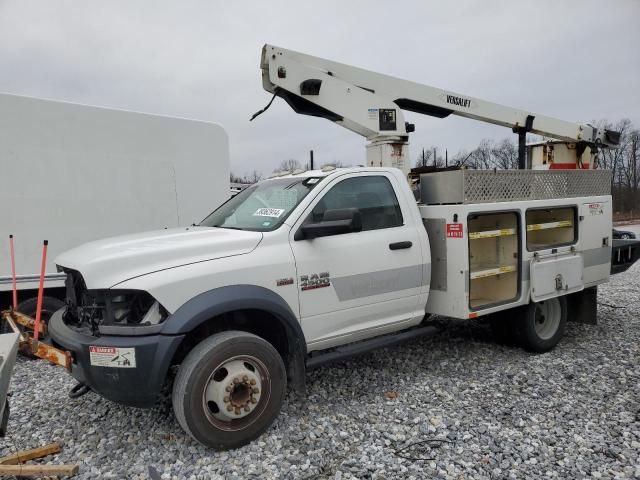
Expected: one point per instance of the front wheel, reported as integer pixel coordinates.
(542, 324)
(229, 389)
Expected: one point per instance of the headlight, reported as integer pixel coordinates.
(97, 308)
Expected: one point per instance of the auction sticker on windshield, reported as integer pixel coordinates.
(269, 212)
(112, 357)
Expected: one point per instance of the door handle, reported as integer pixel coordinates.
(400, 245)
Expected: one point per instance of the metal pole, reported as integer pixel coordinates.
(446, 157)
(522, 141)
(36, 331)
(310, 159)
(13, 273)
(522, 149)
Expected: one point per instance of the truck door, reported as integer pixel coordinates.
(367, 281)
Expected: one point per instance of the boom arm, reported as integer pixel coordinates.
(371, 104)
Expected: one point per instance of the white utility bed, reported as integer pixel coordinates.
(501, 238)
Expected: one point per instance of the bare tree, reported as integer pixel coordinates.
(289, 165)
(505, 155)
(335, 163)
(634, 158)
(253, 177)
(461, 158)
(481, 157)
(425, 158)
(613, 158)
(233, 178)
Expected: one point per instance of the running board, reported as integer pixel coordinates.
(365, 346)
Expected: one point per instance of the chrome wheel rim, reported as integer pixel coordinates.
(236, 393)
(547, 318)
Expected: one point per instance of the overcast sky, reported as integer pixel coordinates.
(575, 60)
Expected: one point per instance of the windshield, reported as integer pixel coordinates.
(262, 207)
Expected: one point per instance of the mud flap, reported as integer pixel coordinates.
(582, 307)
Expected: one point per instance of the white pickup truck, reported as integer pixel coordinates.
(307, 268)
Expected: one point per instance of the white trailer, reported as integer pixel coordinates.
(75, 173)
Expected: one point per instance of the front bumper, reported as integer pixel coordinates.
(137, 385)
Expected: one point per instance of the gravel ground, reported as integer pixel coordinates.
(570, 413)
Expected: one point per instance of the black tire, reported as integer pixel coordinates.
(204, 371)
(49, 306)
(542, 324)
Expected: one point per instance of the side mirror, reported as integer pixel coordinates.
(334, 222)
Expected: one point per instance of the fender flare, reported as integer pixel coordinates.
(212, 303)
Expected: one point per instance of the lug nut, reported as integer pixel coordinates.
(247, 408)
(236, 380)
(229, 388)
(256, 390)
(245, 378)
(237, 411)
(229, 408)
(253, 381)
(226, 399)
(253, 400)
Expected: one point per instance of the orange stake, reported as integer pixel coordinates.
(13, 273)
(36, 331)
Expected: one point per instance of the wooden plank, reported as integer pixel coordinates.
(38, 470)
(27, 455)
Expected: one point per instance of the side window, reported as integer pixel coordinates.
(551, 227)
(373, 196)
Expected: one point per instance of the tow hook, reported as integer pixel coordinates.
(79, 390)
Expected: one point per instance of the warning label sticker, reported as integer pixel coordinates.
(454, 230)
(112, 357)
(596, 209)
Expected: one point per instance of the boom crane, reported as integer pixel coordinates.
(371, 104)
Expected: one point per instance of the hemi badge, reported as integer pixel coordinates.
(284, 281)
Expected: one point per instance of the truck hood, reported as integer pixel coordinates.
(107, 262)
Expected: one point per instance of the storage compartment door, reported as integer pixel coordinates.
(595, 241)
(494, 242)
(555, 276)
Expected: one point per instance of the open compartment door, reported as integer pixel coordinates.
(494, 253)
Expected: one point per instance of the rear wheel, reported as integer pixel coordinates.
(229, 389)
(542, 324)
